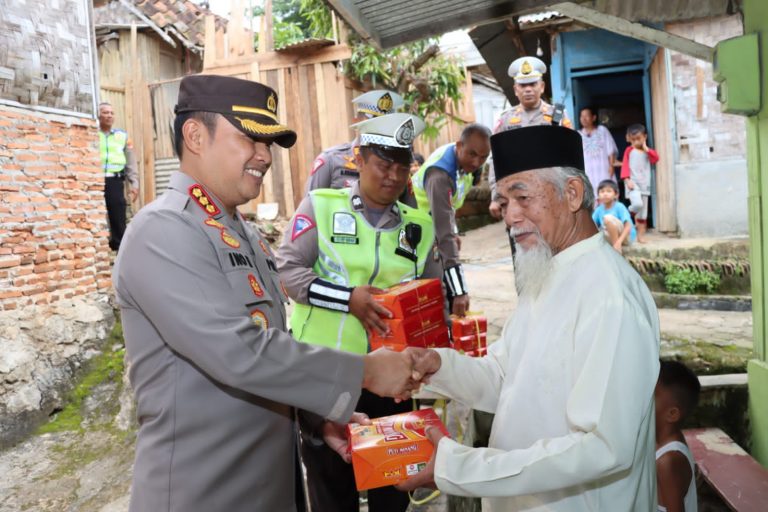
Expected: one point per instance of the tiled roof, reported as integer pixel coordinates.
(182, 18)
(187, 17)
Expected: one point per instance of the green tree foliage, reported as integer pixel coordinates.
(428, 81)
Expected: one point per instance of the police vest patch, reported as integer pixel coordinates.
(301, 224)
(344, 223)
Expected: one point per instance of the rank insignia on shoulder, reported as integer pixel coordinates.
(514, 120)
(344, 223)
(350, 162)
(229, 239)
(548, 118)
(197, 193)
(210, 221)
(255, 286)
(301, 224)
(260, 319)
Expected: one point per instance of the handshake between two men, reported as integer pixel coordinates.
(398, 375)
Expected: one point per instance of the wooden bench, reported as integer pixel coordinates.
(734, 475)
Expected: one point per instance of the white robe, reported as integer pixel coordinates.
(571, 383)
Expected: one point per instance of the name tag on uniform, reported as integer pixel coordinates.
(238, 259)
(345, 239)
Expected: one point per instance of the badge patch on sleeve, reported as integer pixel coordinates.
(229, 239)
(260, 319)
(319, 162)
(255, 286)
(301, 224)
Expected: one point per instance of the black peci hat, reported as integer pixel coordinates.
(536, 147)
(250, 106)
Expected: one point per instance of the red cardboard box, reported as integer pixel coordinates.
(471, 343)
(468, 325)
(392, 449)
(412, 297)
(426, 328)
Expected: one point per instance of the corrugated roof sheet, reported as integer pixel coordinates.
(538, 17)
(391, 22)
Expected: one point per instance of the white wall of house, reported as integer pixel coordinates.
(710, 157)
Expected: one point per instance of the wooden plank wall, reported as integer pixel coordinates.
(316, 101)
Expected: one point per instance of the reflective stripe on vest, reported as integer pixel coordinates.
(461, 183)
(372, 260)
(112, 150)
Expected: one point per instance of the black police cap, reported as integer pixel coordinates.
(250, 106)
(535, 147)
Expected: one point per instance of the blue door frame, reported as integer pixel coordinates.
(596, 52)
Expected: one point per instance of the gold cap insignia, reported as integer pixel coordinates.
(272, 103)
(526, 68)
(385, 103)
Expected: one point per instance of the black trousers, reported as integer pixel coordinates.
(331, 481)
(114, 194)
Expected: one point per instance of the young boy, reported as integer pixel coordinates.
(677, 393)
(612, 217)
(636, 172)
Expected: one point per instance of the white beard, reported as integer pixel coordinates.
(532, 267)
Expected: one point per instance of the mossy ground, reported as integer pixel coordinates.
(106, 367)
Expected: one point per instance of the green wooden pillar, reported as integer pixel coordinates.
(756, 22)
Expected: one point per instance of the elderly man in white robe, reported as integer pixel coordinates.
(571, 380)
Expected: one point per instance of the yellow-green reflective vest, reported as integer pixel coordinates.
(443, 158)
(353, 253)
(112, 149)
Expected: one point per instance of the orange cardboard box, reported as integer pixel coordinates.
(392, 449)
(424, 328)
(412, 297)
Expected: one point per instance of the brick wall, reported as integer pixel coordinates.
(704, 133)
(53, 228)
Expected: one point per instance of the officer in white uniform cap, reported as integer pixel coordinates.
(339, 244)
(528, 73)
(335, 167)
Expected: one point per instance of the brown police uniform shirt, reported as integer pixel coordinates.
(335, 167)
(517, 117)
(440, 188)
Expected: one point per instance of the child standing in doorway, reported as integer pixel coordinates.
(636, 173)
(676, 394)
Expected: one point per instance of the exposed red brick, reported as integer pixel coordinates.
(10, 262)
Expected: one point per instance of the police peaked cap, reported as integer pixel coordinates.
(250, 106)
(536, 147)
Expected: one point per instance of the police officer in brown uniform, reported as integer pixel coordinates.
(215, 374)
(336, 167)
(528, 73)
